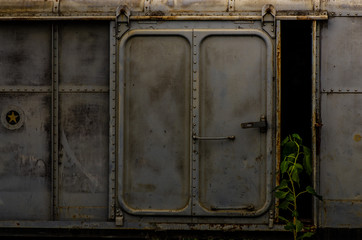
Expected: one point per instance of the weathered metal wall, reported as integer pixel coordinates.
(108, 7)
(25, 105)
(340, 154)
(55, 121)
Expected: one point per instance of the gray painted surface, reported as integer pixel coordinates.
(232, 91)
(25, 166)
(156, 150)
(340, 156)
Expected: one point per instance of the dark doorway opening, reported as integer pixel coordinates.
(296, 93)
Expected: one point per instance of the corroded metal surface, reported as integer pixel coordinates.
(65, 9)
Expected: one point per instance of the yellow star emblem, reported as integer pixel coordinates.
(12, 117)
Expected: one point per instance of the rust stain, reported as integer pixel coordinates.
(357, 138)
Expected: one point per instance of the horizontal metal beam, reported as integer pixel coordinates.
(57, 18)
(161, 18)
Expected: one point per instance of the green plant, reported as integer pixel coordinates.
(296, 159)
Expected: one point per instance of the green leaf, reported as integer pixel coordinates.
(299, 225)
(306, 235)
(289, 227)
(310, 190)
(285, 141)
(290, 197)
(283, 218)
(295, 176)
(307, 161)
(297, 138)
(299, 167)
(284, 205)
(284, 166)
(282, 185)
(281, 194)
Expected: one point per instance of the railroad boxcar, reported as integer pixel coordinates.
(169, 114)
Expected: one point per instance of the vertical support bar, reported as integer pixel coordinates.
(278, 109)
(55, 121)
(315, 111)
(195, 121)
(112, 120)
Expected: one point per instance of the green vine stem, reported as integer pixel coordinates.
(296, 159)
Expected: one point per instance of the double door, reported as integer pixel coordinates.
(195, 124)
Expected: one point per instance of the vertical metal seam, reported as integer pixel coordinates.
(278, 110)
(315, 111)
(55, 122)
(112, 121)
(195, 121)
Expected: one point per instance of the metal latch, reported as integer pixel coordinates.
(262, 124)
(213, 138)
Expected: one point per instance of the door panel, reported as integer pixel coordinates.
(232, 91)
(156, 128)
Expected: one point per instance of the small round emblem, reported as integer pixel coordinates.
(12, 117)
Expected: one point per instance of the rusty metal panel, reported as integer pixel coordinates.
(235, 88)
(155, 138)
(23, 61)
(84, 54)
(25, 166)
(104, 7)
(26, 7)
(280, 5)
(83, 156)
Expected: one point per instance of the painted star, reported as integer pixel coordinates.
(12, 117)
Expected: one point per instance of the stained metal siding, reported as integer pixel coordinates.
(25, 176)
(155, 170)
(83, 121)
(340, 153)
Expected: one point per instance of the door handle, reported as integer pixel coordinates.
(262, 124)
(213, 138)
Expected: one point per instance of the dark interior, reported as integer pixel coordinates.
(296, 92)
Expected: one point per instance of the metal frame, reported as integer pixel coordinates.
(55, 122)
(112, 122)
(315, 112)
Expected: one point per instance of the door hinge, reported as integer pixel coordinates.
(268, 19)
(123, 14)
(271, 218)
(119, 217)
